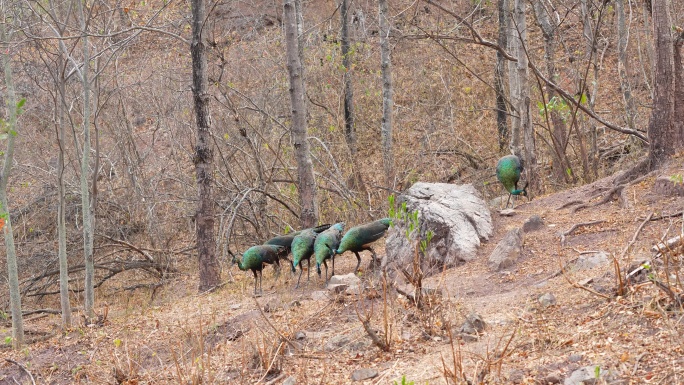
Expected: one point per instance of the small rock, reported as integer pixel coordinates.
(533, 223)
(552, 378)
(273, 305)
(235, 306)
(290, 381)
(319, 295)
(468, 337)
(586, 375)
(507, 212)
(668, 186)
(589, 261)
(336, 342)
(473, 325)
(575, 358)
(364, 374)
(348, 279)
(337, 288)
(547, 300)
(300, 335)
(295, 303)
(516, 376)
(507, 251)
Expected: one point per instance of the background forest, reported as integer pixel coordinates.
(124, 71)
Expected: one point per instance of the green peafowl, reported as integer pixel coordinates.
(286, 240)
(256, 257)
(303, 248)
(508, 171)
(325, 245)
(360, 237)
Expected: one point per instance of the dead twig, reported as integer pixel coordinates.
(577, 285)
(568, 204)
(23, 368)
(365, 322)
(577, 226)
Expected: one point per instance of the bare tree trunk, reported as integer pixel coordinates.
(349, 129)
(514, 88)
(306, 180)
(499, 78)
(387, 100)
(558, 133)
(209, 269)
(623, 63)
(65, 304)
(86, 209)
(661, 133)
(11, 127)
(679, 91)
(524, 101)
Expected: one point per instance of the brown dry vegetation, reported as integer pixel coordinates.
(157, 330)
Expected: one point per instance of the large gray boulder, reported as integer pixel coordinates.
(458, 218)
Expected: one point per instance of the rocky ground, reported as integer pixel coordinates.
(555, 313)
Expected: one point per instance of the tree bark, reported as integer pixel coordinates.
(524, 98)
(679, 90)
(11, 123)
(514, 88)
(499, 78)
(387, 99)
(349, 129)
(209, 269)
(86, 209)
(623, 64)
(559, 130)
(306, 179)
(661, 135)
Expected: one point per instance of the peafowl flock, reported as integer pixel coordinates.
(360, 237)
(508, 171)
(303, 248)
(325, 245)
(256, 257)
(286, 240)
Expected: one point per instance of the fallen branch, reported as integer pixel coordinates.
(669, 244)
(577, 226)
(23, 369)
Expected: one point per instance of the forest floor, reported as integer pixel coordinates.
(228, 336)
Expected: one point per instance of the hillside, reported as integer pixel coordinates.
(154, 328)
(175, 336)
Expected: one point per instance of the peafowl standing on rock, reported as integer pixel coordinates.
(303, 248)
(325, 245)
(256, 257)
(360, 237)
(508, 171)
(286, 240)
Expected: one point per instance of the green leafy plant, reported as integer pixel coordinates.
(404, 381)
(677, 178)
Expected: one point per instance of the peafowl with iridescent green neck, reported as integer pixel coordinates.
(256, 257)
(325, 245)
(303, 249)
(508, 171)
(286, 240)
(359, 238)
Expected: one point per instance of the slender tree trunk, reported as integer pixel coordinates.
(524, 101)
(661, 133)
(209, 269)
(499, 78)
(306, 180)
(65, 303)
(679, 91)
(86, 209)
(349, 129)
(387, 98)
(11, 126)
(514, 88)
(623, 63)
(559, 129)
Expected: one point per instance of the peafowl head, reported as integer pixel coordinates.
(522, 191)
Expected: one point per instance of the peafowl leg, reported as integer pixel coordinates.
(358, 261)
(255, 281)
(308, 269)
(508, 200)
(301, 270)
(326, 271)
(333, 269)
(292, 265)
